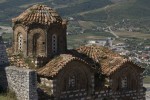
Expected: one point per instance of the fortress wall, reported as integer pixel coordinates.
(23, 82)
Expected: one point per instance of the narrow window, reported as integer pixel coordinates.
(71, 82)
(54, 43)
(20, 42)
(36, 37)
(124, 82)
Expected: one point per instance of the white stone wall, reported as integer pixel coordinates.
(23, 82)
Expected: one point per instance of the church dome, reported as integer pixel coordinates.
(38, 14)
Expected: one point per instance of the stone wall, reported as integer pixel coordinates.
(104, 95)
(23, 82)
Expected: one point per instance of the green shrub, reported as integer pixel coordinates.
(9, 95)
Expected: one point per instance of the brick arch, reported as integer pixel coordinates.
(19, 30)
(37, 42)
(132, 75)
(79, 78)
(83, 77)
(61, 39)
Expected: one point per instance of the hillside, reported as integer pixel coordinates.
(82, 9)
(133, 9)
(11, 8)
(88, 14)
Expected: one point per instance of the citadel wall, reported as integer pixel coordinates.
(23, 82)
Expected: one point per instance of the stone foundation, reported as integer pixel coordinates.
(104, 95)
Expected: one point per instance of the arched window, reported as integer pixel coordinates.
(35, 43)
(124, 82)
(72, 82)
(20, 42)
(54, 43)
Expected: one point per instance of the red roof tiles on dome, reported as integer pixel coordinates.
(38, 14)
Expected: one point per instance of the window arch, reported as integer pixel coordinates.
(20, 42)
(35, 42)
(54, 43)
(72, 81)
(127, 78)
(124, 82)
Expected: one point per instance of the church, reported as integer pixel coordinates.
(85, 73)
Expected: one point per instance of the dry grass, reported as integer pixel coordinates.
(133, 34)
(147, 80)
(86, 24)
(10, 95)
(95, 37)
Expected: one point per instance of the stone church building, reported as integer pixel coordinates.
(86, 73)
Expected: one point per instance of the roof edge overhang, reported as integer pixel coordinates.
(123, 65)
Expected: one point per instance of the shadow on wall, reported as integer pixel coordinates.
(3, 79)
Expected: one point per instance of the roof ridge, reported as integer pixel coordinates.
(54, 67)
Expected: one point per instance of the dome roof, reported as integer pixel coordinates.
(97, 53)
(38, 14)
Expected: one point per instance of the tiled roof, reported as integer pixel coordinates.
(39, 14)
(97, 53)
(108, 61)
(56, 64)
(111, 64)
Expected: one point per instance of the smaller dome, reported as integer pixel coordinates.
(38, 14)
(97, 53)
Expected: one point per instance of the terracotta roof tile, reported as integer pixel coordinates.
(39, 14)
(97, 53)
(107, 59)
(56, 64)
